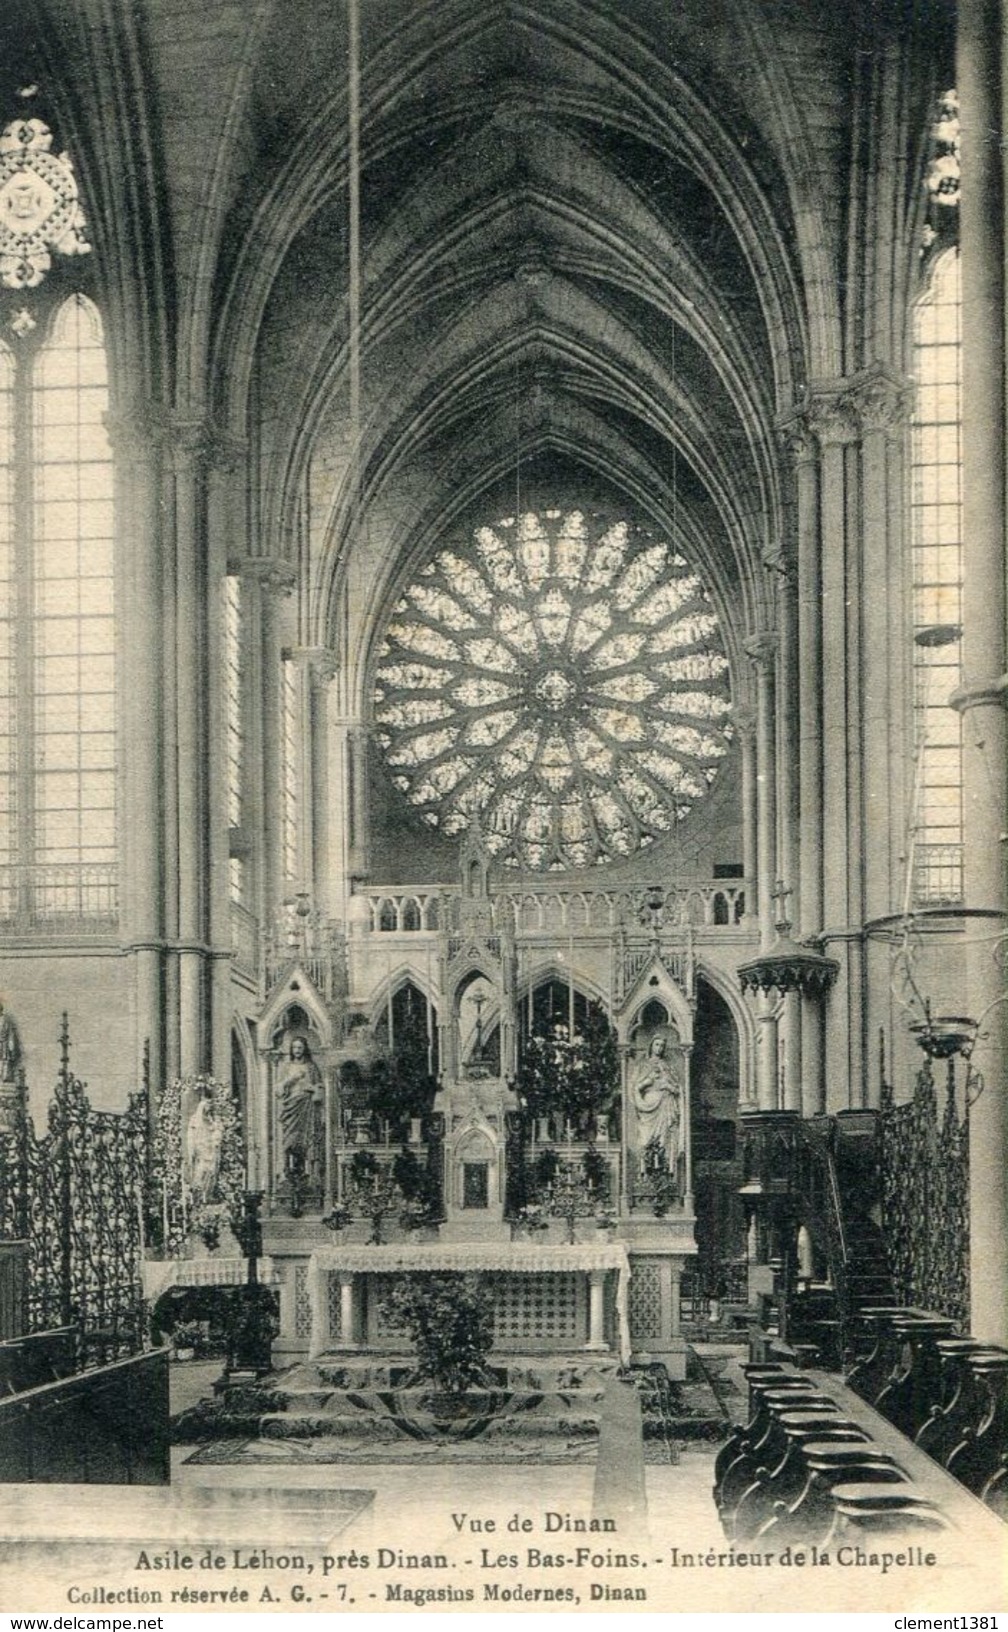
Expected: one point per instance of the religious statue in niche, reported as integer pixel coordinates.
(656, 1105)
(204, 1136)
(302, 1116)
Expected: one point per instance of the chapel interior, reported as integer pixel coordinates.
(502, 705)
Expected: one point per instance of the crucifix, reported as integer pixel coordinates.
(479, 999)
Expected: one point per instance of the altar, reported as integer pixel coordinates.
(550, 1298)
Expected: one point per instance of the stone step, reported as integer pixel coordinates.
(370, 1374)
(385, 1428)
(340, 1402)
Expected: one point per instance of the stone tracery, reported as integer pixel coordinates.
(563, 676)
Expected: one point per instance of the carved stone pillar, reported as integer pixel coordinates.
(762, 648)
(790, 1041)
(269, 581)
(136, 442)
(744, 721)
(883, 402)
(830, 413)
(358, 777)
(225, 520)
(803, 449)
(318, 666)
(188, 676)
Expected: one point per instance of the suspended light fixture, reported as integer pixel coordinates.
(788, 966)
(945, 1035)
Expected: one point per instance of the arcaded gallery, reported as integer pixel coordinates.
(503, 788)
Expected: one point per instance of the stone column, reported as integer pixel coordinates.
(831, 414)
(225, 523)
(982, 697)
(358, 769)
(744, 720)
(596, 1309)
(189, 449)
(348, 1311)
(318, 666)
(762, 648)
(687, 1131)
(807, 883)
(270, 580)
(135, 441)
(788, 816)
(883, 403)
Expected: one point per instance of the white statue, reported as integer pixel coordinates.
(204, 1134)
(656, 1104)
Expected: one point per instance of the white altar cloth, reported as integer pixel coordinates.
(160, 1274)
(515, 1257)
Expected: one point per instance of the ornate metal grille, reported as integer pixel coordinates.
(536, 1308)
(302, 1302)
(925, 1196)
(76, 1194)
(645, 1302)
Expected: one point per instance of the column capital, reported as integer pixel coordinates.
(762, 647)
(195, 442)
(830, 414)
(140, 429)
(881, 399)
(272, 573)
(797, 437)
(320, 663)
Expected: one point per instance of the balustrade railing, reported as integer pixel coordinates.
(66, 898)
(545, 909)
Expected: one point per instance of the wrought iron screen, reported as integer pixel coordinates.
(76, 1194)
(925, 1195)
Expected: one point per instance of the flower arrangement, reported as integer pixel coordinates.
(202, 1209)
(533, 1217)
(450, 1322)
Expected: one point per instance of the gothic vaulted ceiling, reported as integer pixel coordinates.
(602, 246)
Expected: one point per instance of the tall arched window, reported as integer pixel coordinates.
(937, 585)
(57, 613)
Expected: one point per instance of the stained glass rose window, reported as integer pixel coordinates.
(564, 677)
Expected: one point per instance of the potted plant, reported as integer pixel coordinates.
(450, 1322)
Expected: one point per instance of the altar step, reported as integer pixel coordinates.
(380, 1398)
(521, 1373)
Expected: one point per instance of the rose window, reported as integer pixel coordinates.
(562, 677)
